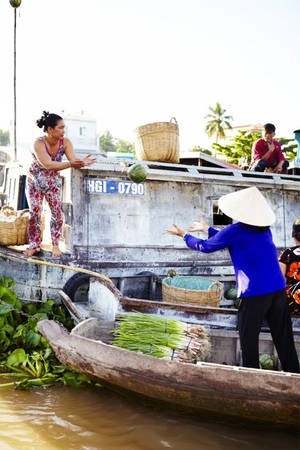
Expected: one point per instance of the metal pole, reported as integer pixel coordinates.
(15, 84)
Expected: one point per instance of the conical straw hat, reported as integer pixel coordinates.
(248, 206)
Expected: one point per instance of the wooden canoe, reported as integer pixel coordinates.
(247, 394)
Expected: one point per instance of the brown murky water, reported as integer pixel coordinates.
(89, 418)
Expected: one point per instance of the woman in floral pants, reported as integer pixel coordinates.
(44, 180)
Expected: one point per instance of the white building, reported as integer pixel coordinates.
(81, 129)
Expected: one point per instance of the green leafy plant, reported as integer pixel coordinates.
(25, 355)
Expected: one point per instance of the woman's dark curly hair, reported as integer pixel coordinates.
(48, 120)
(296, 230)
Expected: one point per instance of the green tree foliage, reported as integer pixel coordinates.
(110, 144)
(107, 142)
(218, 120)
(124, 146)
(289, 147)
(240, 149)
(4, 137)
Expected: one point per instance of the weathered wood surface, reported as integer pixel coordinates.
(204, 315)
(252, 394)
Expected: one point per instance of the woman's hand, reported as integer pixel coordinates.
(84, 162)
(77, 163)
(199, 226)
(177, 231)
(88, 160)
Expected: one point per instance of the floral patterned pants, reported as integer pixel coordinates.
(35, 193)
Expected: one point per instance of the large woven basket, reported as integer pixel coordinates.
(13, 226)
(192, 290)
(158, 141)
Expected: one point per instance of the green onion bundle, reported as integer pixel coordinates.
(148, 334)
(159, 351)
(160, 337)
(139, 321)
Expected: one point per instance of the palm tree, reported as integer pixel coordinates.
(218, 120)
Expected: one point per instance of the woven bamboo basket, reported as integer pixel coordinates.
(192, 291)
(13, 226)
(158, 141)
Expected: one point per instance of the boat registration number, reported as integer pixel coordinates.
(101, 186)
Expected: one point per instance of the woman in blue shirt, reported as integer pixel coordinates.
(259, 280)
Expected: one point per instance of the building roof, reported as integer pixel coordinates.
(202, 159)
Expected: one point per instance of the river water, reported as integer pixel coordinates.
(91, 418)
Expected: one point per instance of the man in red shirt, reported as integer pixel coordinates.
(267, 155)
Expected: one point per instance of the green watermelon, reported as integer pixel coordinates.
(236, 303)
(137, 173)
(15, 3)
(266, 361)
(230, 294)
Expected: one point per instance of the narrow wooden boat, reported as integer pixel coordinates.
(247, 394)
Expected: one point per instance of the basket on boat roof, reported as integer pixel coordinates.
(13, 226)
(158, 141)
(195, 291)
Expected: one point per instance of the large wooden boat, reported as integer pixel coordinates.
(101, 288)
(102, 291)
(117, 227)
(246, 394)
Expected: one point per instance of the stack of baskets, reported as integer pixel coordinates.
(158, 141)
(195, 291)
(13, 226)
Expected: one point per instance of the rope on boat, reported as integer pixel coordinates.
(18, 257)
(63, 266)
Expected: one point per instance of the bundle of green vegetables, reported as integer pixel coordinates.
(161, 337)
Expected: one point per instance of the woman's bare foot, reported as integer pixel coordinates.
(31, 251)
(56, 252)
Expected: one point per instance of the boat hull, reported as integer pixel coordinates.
(248, 394)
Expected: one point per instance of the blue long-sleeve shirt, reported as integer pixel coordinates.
(253, 254)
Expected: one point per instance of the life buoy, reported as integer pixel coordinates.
(77, 287)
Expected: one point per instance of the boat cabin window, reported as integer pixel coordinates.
(11, 188)
(82, 131)
(22, 200)
(219, 218)
(2, 176)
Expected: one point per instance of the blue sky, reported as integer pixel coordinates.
(134, 62)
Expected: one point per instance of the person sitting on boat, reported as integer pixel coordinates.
(289, 261)
(267, 154)
(259, 280)
(43, 180)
